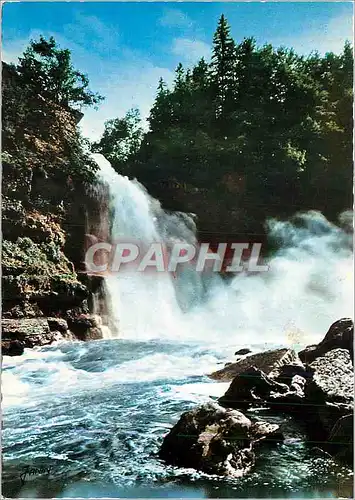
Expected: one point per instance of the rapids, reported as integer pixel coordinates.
(95, 413)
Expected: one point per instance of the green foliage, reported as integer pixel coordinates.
(47, 71)
(46, 162)
(273, 126)
(121, 139)
(33, 270)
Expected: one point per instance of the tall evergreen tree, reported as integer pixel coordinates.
(223, 67)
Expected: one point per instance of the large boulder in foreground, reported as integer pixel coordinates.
(330, 393)
(340, 335)
(268, 362)
(216, 440)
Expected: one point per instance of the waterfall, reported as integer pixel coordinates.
(309, 284)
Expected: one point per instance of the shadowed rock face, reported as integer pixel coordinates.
(251, 386)
(216, 440)
(12, 348)
(341, 440)
(340, 335)
(269, 362)
(86, 327)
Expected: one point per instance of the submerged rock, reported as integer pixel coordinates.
(340, 335)
(216, 440)
(269, 362)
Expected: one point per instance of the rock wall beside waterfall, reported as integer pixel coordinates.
(44, 209)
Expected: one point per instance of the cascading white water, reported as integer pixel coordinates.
(309, 284)
(101, 408)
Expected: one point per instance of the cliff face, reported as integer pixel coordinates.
(43, 207)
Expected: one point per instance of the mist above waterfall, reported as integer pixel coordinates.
(308, 285)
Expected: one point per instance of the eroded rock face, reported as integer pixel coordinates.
(86, 326)
(340, 335)
(269, 362)
(18, 334)
(31, 332)
(216, 440)
(330, 393)
(58, 324)
(333, 378)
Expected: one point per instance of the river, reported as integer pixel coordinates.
(94, 414)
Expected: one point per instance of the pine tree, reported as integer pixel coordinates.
(223, 67)
(200, 75)
(160, 113)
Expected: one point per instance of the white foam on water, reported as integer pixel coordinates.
(308, 286)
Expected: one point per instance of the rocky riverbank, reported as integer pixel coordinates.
(46, 210)
(18, 334)
(313, 389)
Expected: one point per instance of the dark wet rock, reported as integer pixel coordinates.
(252, 386)
(30, 332)
(216, 440)
(22, 309)
(269, 362)
(12, 348)
(291, 401)
(288, 372)
(243, 351)
(86, 327)
(58, 324)
(341, 439)
(340, 335)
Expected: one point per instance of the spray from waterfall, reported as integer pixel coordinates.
(308, 286)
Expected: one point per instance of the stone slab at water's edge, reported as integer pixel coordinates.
(269, 362)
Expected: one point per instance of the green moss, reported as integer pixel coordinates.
(33, 270)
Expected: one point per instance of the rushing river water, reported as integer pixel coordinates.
(95, 414)
(87, 419)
